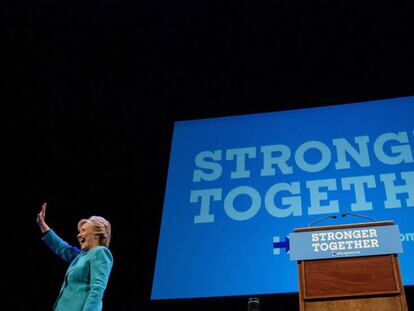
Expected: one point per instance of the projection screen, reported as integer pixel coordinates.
(237, 186)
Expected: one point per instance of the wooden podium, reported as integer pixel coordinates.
(369, 283)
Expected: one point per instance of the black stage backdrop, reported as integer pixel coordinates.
(91, 90)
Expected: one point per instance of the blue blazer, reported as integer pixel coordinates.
(86, 278)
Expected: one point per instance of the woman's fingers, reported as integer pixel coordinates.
(42, 213)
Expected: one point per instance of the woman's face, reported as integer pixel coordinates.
(86, 237)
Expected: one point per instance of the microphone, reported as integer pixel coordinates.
(357, 215)
(319, 220)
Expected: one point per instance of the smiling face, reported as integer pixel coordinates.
(87, 237)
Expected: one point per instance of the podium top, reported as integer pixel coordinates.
(346, 226)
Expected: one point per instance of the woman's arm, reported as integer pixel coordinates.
(101, 265)
(53, 241)
(60, 247)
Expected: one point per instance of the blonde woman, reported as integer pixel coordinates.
(89, 267)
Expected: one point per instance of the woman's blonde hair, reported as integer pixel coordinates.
(101, 227)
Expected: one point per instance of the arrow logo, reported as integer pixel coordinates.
(277, 245)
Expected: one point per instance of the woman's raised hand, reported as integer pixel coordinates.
(41, 219)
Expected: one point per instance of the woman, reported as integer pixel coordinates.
(88, 273)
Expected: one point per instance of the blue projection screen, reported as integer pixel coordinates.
(237, 186)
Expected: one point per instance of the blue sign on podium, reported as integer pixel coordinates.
(345, 242)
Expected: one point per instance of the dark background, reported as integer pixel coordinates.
(91, 90)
